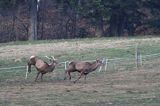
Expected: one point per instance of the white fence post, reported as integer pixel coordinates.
(65, 65)
(100, 68)
(26, 73)
(106, 65)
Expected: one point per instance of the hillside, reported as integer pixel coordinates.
(120, 84)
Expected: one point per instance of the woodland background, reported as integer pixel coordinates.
(67, 19)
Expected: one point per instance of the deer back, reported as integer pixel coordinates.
(82, 65)
(88, 66)
(41, 65)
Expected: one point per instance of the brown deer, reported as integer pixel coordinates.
(84, 68)
(41, 66)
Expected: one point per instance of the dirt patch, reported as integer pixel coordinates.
(102, 87)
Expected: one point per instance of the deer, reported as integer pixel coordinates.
(41, 66)
(84, 68)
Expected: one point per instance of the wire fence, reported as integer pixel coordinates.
(105, 61)
(137, 61)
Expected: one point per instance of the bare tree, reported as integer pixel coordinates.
(33, 19)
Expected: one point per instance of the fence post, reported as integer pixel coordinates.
(141, 61)
(100, 68)
(106, 65)
(137, 56)
(65, 65)
(26, 73)
(103, 61)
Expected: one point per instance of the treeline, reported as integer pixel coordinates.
(63, 19)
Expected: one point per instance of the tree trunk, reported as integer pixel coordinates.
(101, 25)
(117, 24)
(13, 26)
(131, 30)
(77, 17)
(113, 29)
(121, 23)
(33, 20)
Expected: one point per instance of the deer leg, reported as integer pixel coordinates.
(85, 78)
(29, 67)
(65, 77)
(37, 76)
(69, 73)
(79, 77)
(41, 77)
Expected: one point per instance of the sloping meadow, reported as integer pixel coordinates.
(119, 82)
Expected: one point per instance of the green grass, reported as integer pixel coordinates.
(120, 85)
(88, 40)
(85, 40)
(124, 51)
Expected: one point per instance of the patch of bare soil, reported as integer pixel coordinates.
(141, 81)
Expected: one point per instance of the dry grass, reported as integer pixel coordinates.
(20, 51)
(103, 88)
(111, 88)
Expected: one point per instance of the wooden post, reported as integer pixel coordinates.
(114, 66)
(141, 62)
(137, 56)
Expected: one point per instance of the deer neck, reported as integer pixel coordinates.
(36, 60)
(51, 67)
(94, 66)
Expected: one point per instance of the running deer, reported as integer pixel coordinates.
(41, 66)
(84, 68)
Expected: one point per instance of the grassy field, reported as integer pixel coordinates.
(122, 84)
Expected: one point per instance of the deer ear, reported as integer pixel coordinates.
(97, 60)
